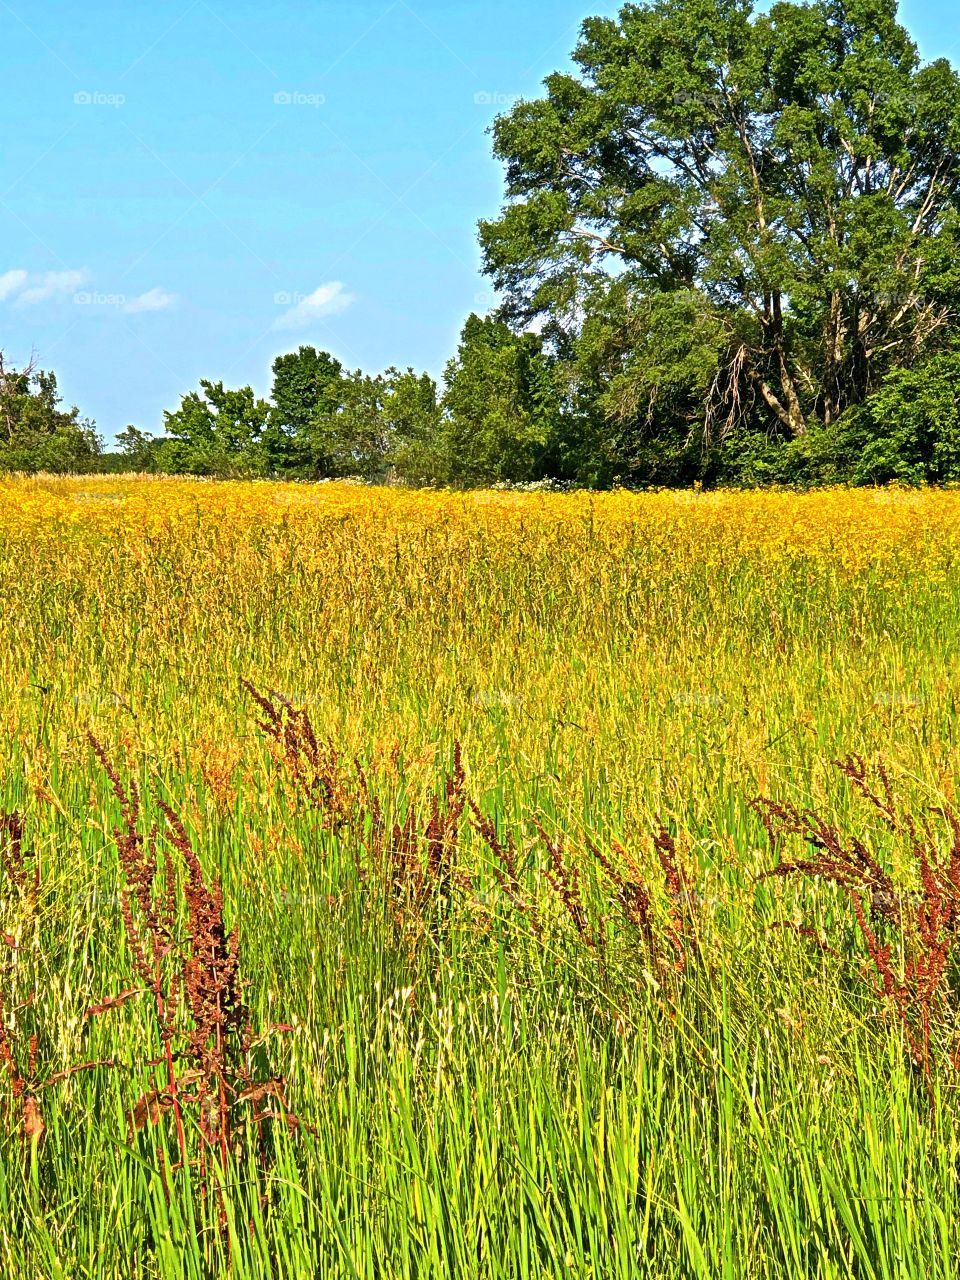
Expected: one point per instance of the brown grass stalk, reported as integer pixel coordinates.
(910, 937)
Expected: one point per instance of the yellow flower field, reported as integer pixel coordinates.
(685, 637)
(473, 774)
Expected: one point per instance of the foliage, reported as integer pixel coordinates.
(788, 179)
(216, 432)
(502, 406)
(354, 435)
(138, 449)
(321, 422)
(35, 433)
(413, 424)
(307, 389)
(909, 428)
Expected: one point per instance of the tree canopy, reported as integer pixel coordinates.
(36, 434)
(761, 207)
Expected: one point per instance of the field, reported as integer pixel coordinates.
(463, 961)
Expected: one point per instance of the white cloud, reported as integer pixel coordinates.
(152, 300)
(329, 300)
(51, 284)
(11, 282)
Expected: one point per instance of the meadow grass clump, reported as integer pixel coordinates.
(416, 919)
(186, 963)
(910, 934)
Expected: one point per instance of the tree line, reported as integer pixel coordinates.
(729, 252)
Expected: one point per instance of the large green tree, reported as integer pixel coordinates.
(36, 433)
(501, 406)
(137, 449)
(307, 391)
(785, 182)
(412, 419)
(353, 434)
(216, 431)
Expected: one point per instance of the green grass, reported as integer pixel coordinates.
(478, 1099)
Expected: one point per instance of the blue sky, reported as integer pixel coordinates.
(190, 187)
